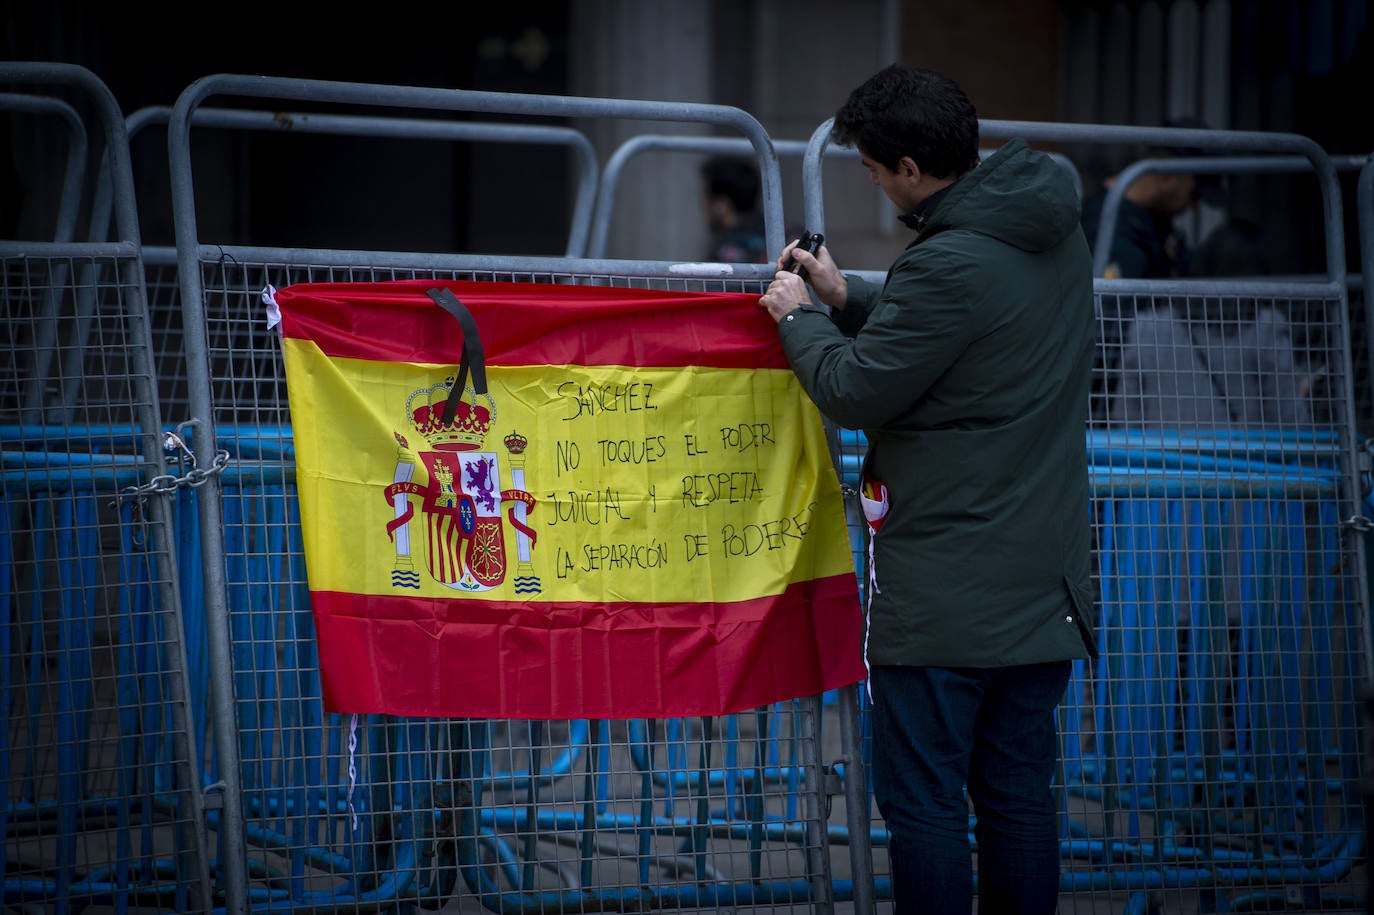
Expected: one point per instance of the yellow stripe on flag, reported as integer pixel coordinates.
(634, 485)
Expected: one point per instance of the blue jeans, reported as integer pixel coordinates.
(937, 730)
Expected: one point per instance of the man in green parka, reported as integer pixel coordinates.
(968, 372)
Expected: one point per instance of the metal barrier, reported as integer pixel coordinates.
(1211, 755)
(103, 801)
(325, 811)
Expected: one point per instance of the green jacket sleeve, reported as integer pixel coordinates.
(915, 329)
(859, 298)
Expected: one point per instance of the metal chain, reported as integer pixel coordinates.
(1359, 524)
(165, 483)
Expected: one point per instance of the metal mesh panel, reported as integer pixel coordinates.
(94, 754)
(1220, 361)
(545, 816)
(68, 344)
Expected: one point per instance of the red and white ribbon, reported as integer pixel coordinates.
(873, 499)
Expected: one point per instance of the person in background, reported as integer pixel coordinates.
(1198, 362)
(968, 371)
(1150, 368)
(1147, 242)
(731, 189)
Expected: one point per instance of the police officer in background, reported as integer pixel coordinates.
(1147, 242)
(731, 188)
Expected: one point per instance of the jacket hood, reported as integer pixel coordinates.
(1017, 195)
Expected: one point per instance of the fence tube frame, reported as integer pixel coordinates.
(120, 169)
(45, 345)
(77, 146)
(642, 143)
(857, 815)
(818, 868)
(1364, 204)
(1238, 141)
(265, 87)
(410, 128)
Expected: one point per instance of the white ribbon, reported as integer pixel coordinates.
(352, 769)
(269, 298)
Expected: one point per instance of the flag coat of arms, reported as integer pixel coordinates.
(528, 500)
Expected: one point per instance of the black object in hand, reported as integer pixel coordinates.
(811, 242)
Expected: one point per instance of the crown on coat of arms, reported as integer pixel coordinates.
(465, 432)
(515, 443)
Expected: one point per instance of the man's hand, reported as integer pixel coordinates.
(786, 293)
(830, 285)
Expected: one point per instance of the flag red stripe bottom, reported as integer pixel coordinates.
(447, 657)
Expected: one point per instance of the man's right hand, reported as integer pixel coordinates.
(825, 278)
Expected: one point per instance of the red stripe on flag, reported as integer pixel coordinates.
(540, 324)
(490, 659)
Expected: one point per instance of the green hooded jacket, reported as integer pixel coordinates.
(968, 372)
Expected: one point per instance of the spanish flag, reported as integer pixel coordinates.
(570, 502)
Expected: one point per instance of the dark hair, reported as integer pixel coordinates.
(737, 179)
(908, 111)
